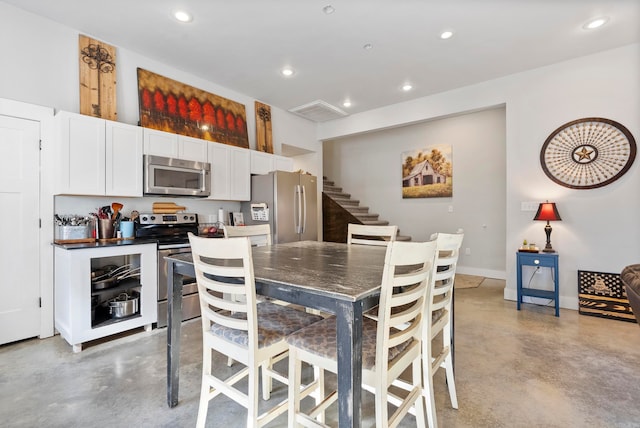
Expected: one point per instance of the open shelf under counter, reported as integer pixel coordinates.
(75, 296)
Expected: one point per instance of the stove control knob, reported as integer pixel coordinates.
(185, 217)
(152, 217)
(144, 218)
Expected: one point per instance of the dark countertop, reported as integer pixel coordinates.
(107, 243)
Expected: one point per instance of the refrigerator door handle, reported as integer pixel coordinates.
(297, 208)
(304, 210)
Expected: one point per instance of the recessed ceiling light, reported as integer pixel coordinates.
(346, 103)
(182, 16)
(446, 35)
(367, 47)
(328, 9)
(287, 71)
(595, 23)
(407, 87)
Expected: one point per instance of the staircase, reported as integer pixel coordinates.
(338, 210)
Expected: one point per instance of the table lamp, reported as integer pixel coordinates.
(547, 211)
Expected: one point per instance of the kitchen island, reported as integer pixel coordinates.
(85, 288)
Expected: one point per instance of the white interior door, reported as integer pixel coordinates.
(19, 229)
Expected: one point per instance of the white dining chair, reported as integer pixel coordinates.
(387, 351)
(249, 332)
(438, 319)
(371, 235)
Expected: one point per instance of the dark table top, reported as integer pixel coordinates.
(343, 272)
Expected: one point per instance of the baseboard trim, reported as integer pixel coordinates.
(487, 273)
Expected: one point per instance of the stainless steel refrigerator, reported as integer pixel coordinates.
(291, 200)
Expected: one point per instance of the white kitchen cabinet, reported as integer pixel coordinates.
(283, 163)
(80, 313)
(192, 148)
(230, 172)
(160, 143)
(166, 144)
(264, 163)
(97, 156)
(81, 154)
(123, 159)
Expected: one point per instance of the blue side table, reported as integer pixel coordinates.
(548, 260)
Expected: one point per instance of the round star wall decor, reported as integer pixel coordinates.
(588, 153)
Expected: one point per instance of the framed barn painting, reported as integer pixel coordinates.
(171, 106)
(427, 173)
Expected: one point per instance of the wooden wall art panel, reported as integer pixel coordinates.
(97, 78)
(264, 140)
(171, 106)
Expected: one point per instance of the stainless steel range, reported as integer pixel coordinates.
(170, 230)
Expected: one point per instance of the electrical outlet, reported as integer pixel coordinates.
(450, 208)
(467, 251)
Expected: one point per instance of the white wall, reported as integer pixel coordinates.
(368, 166)
(600, 227)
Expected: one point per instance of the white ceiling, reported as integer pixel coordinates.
(243, 44)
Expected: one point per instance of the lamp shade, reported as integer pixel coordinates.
(547, 211)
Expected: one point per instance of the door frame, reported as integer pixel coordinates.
(43, 115)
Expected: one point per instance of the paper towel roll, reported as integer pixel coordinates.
(221, 216)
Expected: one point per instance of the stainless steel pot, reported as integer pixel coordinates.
(124, 305)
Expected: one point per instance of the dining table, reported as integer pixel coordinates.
(340, 279)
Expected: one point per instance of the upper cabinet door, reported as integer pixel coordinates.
(192, 148)
(123, 159)
(220, 174)
(283, 163)
(160, 143)
(262, 163)
(230, 173)
(240, 178)
(81, 154)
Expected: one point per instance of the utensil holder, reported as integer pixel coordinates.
(105, 228)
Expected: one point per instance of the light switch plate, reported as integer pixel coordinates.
(529, 206)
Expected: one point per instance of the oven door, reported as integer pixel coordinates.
(190, 301)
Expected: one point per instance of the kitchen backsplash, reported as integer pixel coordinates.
(206, 209)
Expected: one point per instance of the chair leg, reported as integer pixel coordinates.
(318, 376)
(267, 383)
(416, 371)
(205, 389)
(380, 399)
(295, 367)
(252, 395)
(451, 383)
(448, 366)
(427, 384)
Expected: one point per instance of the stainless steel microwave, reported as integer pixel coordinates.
(176, 177)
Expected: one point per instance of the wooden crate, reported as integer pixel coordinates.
(603, 295)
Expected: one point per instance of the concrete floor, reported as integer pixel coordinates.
(513, 369)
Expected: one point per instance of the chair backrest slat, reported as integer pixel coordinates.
(363, 234)
(260, 234)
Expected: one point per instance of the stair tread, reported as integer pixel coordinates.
(339, 195)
